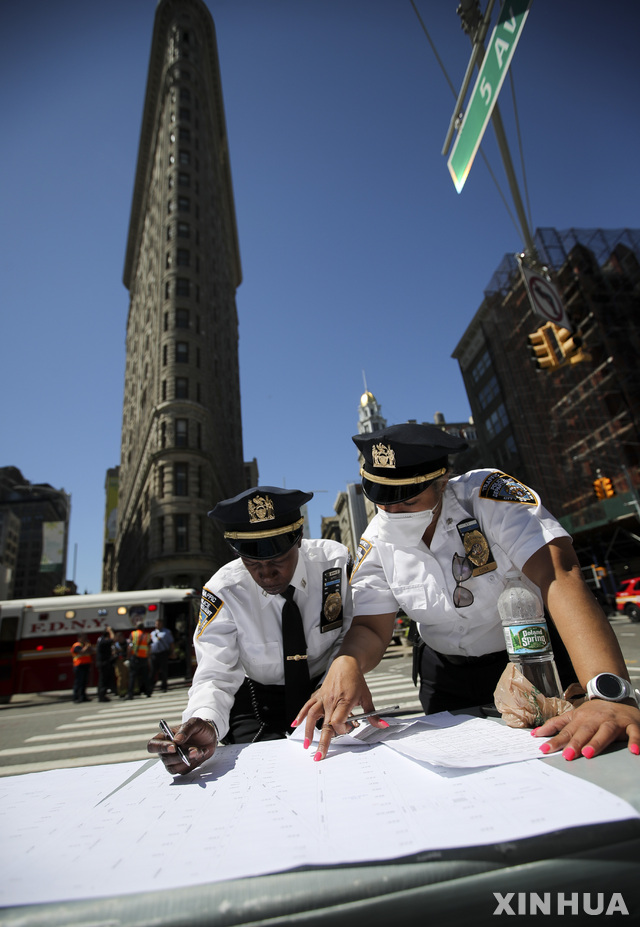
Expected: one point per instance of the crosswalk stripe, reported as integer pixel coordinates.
(124, 722)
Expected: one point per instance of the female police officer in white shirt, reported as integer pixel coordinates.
(439, 548)
(270, 623)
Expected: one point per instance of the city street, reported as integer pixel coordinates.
(47, 731)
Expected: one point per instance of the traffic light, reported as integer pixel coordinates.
(607, 487)
(603, 488)
(570, 346)
(544, 347)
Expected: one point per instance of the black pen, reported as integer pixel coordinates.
(370, 714)
(166, 730)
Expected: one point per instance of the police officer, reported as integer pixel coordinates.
(270, 622)
(439, 548)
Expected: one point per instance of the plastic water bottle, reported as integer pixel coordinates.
(527, 636)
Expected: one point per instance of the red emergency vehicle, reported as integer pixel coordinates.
(36, 635)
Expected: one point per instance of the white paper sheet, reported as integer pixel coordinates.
(265, 808)
(463, 742)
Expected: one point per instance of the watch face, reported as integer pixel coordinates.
(609, 686)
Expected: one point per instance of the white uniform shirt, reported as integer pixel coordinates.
(244, 636)
(420, 579)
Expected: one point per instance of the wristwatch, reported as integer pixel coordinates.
(609, 687)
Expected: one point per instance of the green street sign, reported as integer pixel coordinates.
(485, 93)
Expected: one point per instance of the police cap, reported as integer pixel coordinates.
(262, 522)
(402, 460)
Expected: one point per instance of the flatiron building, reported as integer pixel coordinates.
(181, 446)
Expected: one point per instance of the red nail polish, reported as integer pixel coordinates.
(635, 749)
(569, 753)
(589, 752)
(383, 723)
(317, 757)
(306, 743)
(545, 748)
(533, 732)
(295, 723)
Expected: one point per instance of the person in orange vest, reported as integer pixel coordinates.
(81, 654)
(139, 661)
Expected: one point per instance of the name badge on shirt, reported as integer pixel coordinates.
(210, 605)
(331, 616)
(476, 546)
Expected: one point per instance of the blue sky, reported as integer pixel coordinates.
(357, 253)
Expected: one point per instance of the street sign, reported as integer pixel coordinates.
(544, 297)
(485, 93)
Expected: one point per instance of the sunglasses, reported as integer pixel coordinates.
(462, 570)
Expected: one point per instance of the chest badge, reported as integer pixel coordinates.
(476, 547)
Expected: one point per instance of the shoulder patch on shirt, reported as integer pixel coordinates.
(210, 605)
(504, 488)
(364, 547)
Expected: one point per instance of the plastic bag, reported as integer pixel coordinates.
(522, 705)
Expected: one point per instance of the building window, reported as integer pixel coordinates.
(182, 318)
(184, 134)
(183, 257)
(185, 94)
(497, 421)
(488, 392)
(483, 364)
(181, 432)
(183, 230)
(183, 179)
(160, 482)
(199, 489)
(161, 533)
(167, 290)
(199, 436)
(165, 321)
(184, 157)
(181, 388)
(197, 392)
(182, 352)
(183, 287)
(184, 204)
(181, 523)
(181, 479)
(163, 434)
(164, 392)
(164, 355)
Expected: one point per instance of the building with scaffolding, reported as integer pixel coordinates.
(561, 430)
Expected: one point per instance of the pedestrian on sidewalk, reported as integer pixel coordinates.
(81, 655)
(139, 661)
(161, 652)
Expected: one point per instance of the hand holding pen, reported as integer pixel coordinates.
(197, 742)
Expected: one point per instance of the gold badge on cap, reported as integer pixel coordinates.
(260, 509)
(383, 456)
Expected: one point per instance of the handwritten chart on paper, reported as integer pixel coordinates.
(268, 808)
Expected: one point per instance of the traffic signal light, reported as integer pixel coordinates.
(544, 348)
(607, 486)
(603, 488)
(570, 346)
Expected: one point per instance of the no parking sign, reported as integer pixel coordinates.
(543, 296)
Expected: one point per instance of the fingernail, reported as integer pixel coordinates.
(635, 749)
(317, 757)
(295, 723)
(533, 732)
(383, 723)
(306, 743)
(569, 753)
(545, 748)
(589, 752)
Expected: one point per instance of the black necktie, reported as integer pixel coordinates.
(297, 685)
